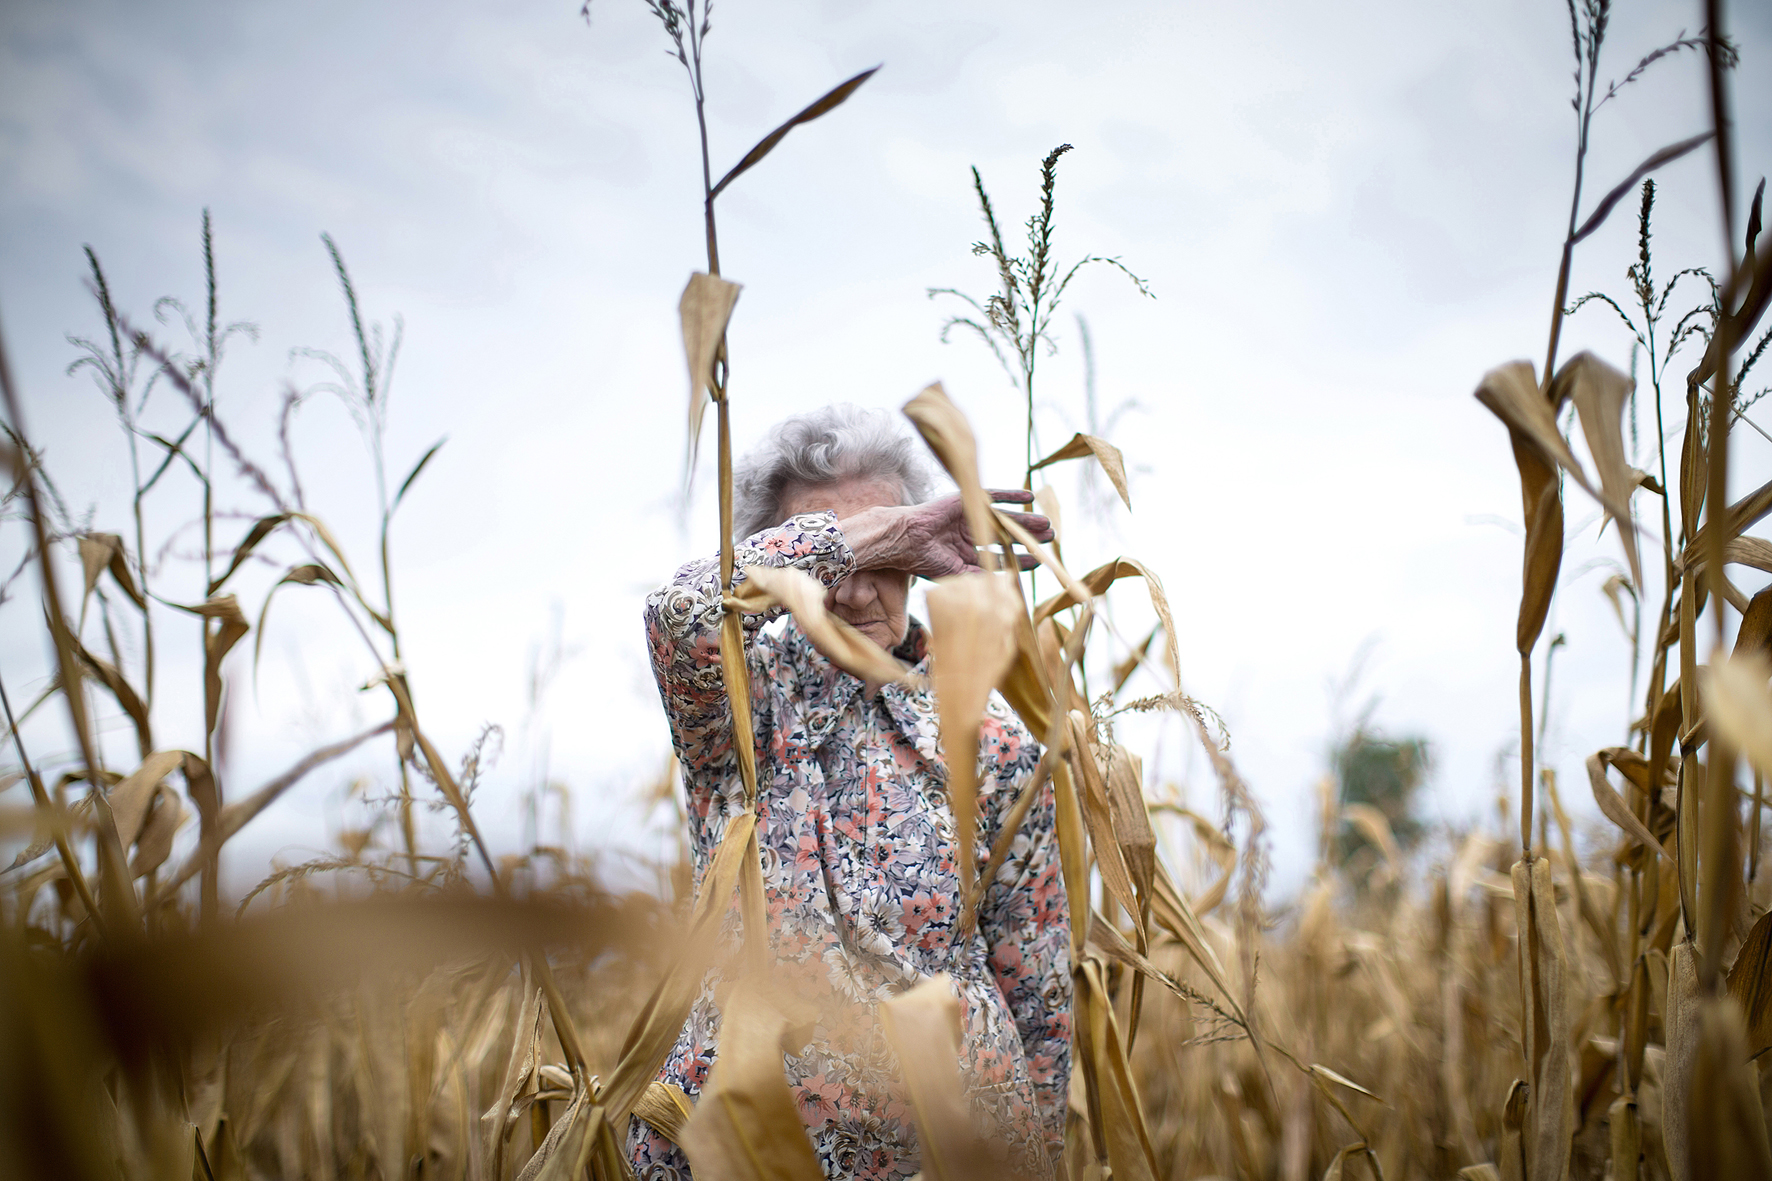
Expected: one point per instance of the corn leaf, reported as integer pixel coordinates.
(923, 1026)
(971, 645)
(1105, 453)
(746, 1125)
(704, 309)
(826, 102)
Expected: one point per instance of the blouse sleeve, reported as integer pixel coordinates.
(1026, 923)
(683, 634)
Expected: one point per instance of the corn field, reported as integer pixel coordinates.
(410, 1008)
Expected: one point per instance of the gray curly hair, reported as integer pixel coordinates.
(825, 446)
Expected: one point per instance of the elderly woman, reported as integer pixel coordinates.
(857, 835)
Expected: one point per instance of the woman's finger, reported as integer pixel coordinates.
(1028, 561)
(1010, 495)
(1034, 523)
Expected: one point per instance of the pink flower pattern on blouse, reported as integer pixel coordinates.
(857, 838)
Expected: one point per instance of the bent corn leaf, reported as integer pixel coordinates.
(1600, 393)
(1512, 393)
(923, 1026)
(704, 310)
(1739, 704)
(1750, 983)
(769, 586)
(1105, 453)
(1615, 809)
(131, 797)
(746, 1125)
(971, 645)
(950, 437)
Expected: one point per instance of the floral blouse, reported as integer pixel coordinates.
(860, 876)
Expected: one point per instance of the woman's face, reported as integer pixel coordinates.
(871, 601)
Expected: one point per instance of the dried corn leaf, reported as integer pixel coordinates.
(520, 1067)
(1680, 1019)
(1318, 1070)
(1106, 939)
(971, 645)
(113, 679)
(1102, 577)
(261, 529)
(1614, 808)
(1550, 1120)
(950, 437)
(736, 680)
(746, 1126)
(704, 310)
(923, 1026)
(309, 574)
(767, 586)
(1728, 1124)
(1115, 875)
(95, 554)
(1739, 702)
(1755, 632)
(1600, 393)
(566, 1149)
(1512, 394)
(1106, 454)
(1749, 551)
(217, 643)
(1132, 822)
(131, 797)
(1218, 847)
(1027, 686)
(825, 103)
(1132, 832)
(99, 551)
(1750, 983)
(1624, 187)
(1073, 854)
(1740, 517)
(154, 843)
(1122, 1132)
(1512, 1157)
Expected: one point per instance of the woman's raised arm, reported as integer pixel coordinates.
(683, 634)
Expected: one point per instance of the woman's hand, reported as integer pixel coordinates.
(932, 540)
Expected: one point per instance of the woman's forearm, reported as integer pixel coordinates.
(876, 537)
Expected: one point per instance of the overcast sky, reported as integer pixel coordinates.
(1346, 213)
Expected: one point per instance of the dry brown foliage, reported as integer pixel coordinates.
(1512, 1011)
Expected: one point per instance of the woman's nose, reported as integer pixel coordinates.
(853, 592)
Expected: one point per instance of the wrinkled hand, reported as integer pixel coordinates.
(933, 540)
